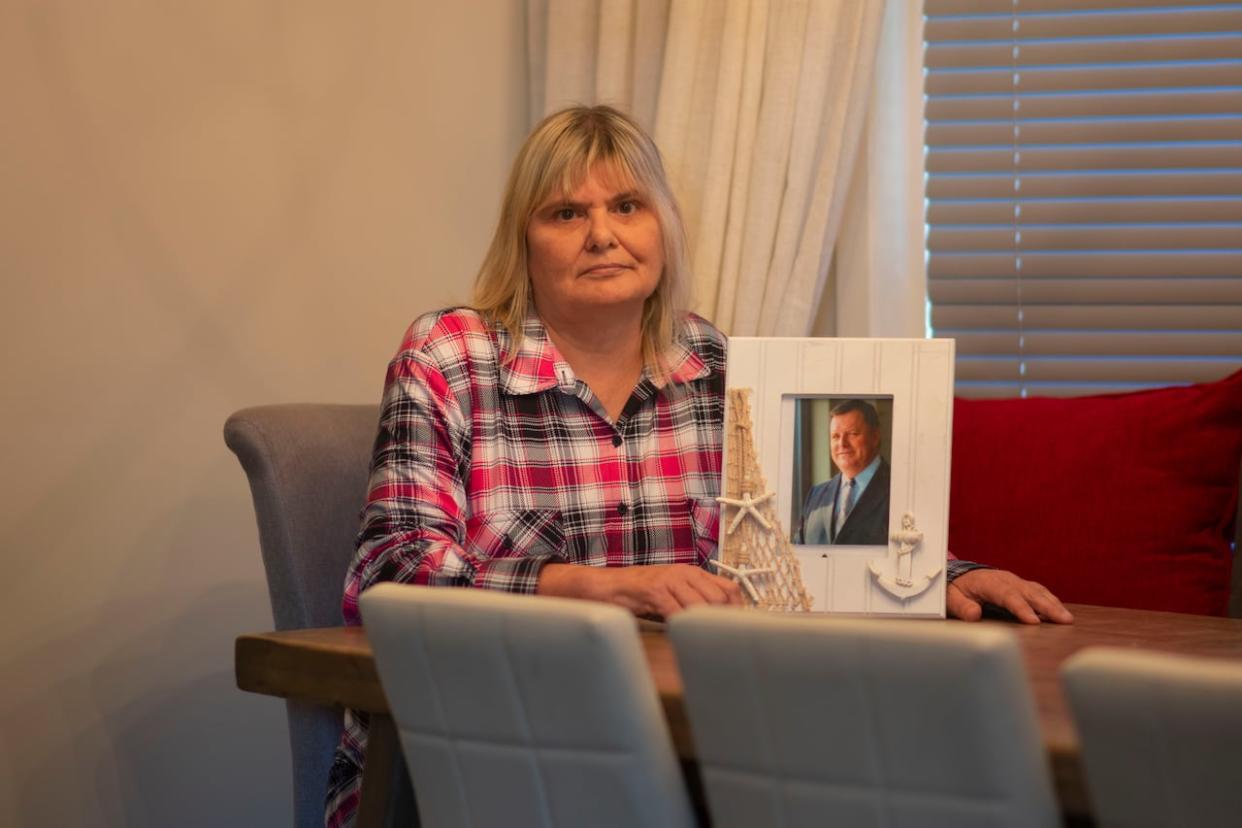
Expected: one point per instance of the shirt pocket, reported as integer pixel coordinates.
(705, 521)
(515, 533)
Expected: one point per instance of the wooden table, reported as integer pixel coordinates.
(335, 666)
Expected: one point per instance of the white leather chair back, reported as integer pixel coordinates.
(809, 720)
(1161, 736)
(523, 711)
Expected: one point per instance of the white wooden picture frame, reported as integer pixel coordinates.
(917, 376)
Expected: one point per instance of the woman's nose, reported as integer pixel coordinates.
(599, 233)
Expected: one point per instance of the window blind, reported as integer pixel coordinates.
(1084, 192)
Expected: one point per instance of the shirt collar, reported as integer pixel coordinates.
(864, 477)
(684, 364)
(536, 365)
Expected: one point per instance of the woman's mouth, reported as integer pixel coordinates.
(608, 269)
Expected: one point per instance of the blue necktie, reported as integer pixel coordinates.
(846, 504)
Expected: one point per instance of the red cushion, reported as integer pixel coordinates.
(1125, 500)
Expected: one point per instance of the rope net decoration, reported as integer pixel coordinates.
(757, 553)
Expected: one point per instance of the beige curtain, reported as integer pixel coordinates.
(759, 107)
(878, 284)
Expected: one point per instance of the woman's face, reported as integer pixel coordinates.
(597, 251)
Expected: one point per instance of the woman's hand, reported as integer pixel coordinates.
(1028, 601)
(658, 590)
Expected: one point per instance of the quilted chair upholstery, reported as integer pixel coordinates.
(802, 721)
(1161, 736)
(521, 711)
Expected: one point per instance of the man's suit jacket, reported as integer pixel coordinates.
(866, 525)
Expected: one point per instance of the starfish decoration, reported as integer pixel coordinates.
(743, 575)
(747, 506)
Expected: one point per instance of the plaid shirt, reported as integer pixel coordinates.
(492, 461)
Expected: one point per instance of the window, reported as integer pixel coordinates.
(1084, 192)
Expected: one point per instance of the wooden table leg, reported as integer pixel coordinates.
(387, 798)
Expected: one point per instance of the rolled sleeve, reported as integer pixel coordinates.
(956, 568)
(413, 525)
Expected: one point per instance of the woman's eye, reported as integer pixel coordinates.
(565, 214)
(625, 208)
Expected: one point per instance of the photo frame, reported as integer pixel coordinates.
(838, 426)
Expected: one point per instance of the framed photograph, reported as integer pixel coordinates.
(853, 439)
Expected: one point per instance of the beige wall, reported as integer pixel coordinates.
(204, 205)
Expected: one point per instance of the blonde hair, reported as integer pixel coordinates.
(556, 158)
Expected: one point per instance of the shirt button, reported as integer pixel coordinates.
(622, 508)
(616, 439)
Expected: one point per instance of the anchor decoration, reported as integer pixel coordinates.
(754, 549)
(901, 581)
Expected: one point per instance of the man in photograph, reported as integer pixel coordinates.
(852, 507)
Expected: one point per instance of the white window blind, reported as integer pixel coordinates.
(1084, 192)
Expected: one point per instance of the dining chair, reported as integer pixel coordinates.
(802, 721)
(516, 710)
(307, 467)
(1161, 736)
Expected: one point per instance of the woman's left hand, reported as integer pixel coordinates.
(1028, 601)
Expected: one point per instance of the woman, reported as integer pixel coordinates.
(563, 436)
